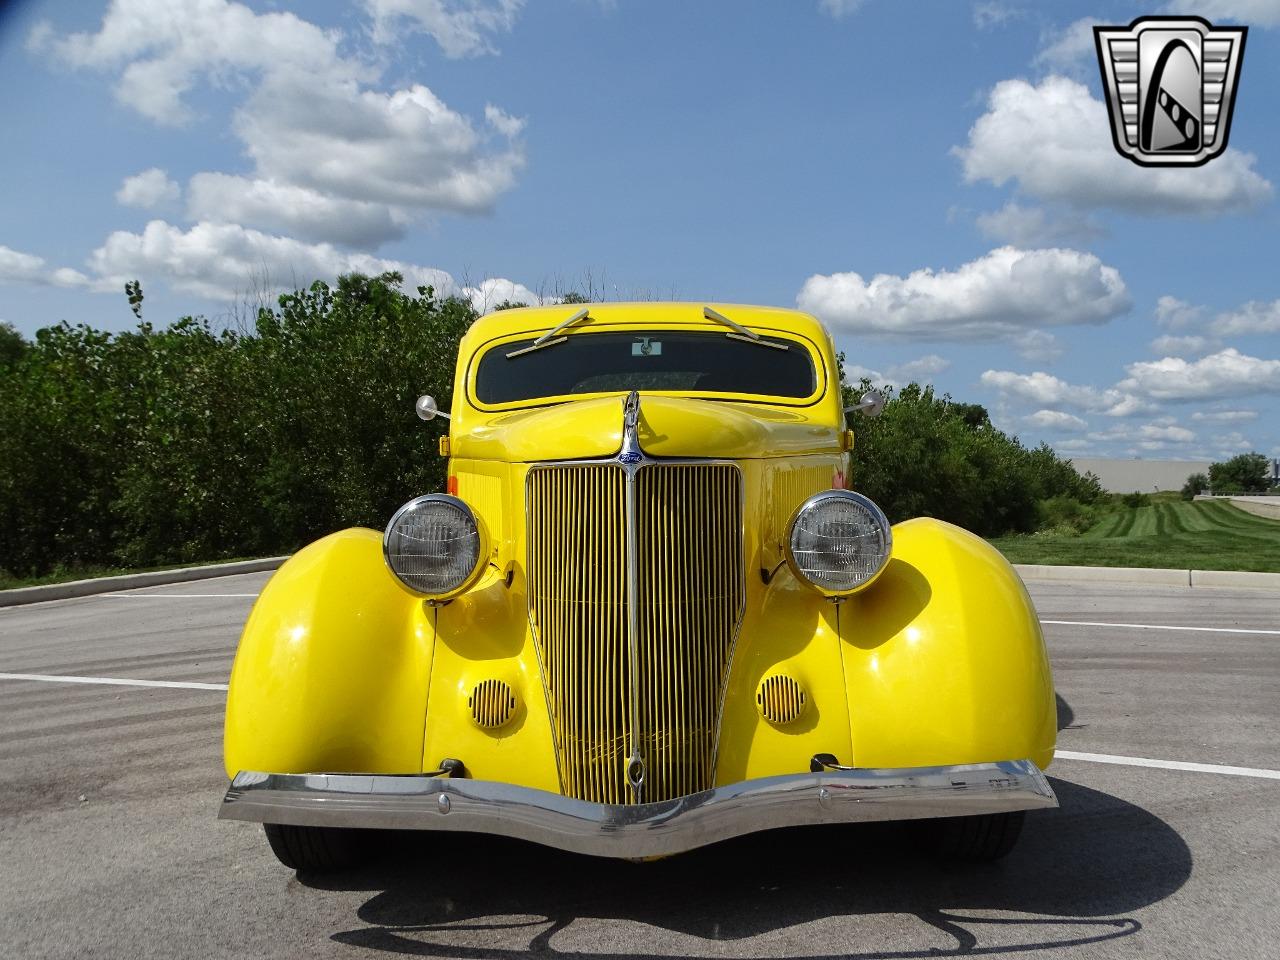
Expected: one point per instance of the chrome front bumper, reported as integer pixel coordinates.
(643, 830)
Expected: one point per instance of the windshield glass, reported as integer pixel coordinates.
(665, 360)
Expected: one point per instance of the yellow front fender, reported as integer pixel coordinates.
(333, 667)
(943, 657)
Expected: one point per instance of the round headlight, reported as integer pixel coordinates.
(838, 542)
(434, 545)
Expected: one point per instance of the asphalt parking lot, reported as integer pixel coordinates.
(109, 846)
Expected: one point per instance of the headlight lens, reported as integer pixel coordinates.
(434, 545)
(838, 542)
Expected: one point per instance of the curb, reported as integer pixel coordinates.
(1044, 571)
(131, 581)
(1151, 575)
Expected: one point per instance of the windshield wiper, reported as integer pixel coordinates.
(740, 332)
(545, 340)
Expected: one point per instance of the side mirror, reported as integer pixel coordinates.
(428, 409)
(871, 404)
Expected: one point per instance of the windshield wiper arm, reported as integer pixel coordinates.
(739, 331)
(545, 340)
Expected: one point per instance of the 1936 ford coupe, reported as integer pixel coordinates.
(648, 614)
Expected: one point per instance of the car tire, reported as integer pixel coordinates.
(978, 839)
(316, 849)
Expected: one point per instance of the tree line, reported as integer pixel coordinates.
(191, 443)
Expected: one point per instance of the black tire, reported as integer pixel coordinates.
(978, 839)
(317, 849)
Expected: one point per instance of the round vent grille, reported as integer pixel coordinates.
(780, 699)
(492, 704)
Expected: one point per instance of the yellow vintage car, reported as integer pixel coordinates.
(648, 614)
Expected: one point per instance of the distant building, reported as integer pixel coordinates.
(1144, 476)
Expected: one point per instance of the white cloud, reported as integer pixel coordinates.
(839, 9)
(403, 148)
(1182, 346)
(148, 189)
(921, 370)
(1056, 420)
(490, 293)
(1225, 416)
(1175, 314)
(287, 208)
(335, 157)
(503, 122)
(1261, 13)
(163, 47)
(1228, 373)
(999, 295)
(463, 28)
(1035, 226)
(1065, 49)
(1049, 392)
(227, 261)
(27, 268)
(1053, 141)
(993, 13)
(1253, 317)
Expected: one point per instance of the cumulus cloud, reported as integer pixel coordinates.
(1053, 141)
(1175, 314)
(1049, 392)
(1188, 346)
(1261, 13)
(921, 370)
(493, 292)
(1066, 49)
(27, 268)
(1023, 226)
(1056, 420)
(148, 189)
(225, 261)
(999, 295)
(993, 13)
(463, 28)
(336, 156)
(1253, 317)
(1228, 373)
(1225, 416)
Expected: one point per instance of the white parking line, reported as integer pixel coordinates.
(114, 681)
(1168, 764)
(1159, 626)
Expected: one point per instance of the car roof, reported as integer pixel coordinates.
(502, 323)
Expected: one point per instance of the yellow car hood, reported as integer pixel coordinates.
(669, 427)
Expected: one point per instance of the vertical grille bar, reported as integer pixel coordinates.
(689, 602)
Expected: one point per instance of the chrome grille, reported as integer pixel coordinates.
(689, 603)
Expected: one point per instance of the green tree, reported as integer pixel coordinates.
(1196, 484)
(1244, 473)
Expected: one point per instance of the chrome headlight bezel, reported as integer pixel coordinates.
(436, 501)
(816, 502)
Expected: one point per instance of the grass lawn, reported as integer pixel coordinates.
(1196, 535)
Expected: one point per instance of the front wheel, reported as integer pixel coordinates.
(977, 839)
(317, 848)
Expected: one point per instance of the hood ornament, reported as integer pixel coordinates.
(631, 452)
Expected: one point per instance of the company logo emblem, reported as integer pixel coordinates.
(1171, 86)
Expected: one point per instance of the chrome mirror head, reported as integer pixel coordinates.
(428, 409)
(871, 404)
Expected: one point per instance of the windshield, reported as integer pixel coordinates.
(666, 360)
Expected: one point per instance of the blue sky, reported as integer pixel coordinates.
(938, 185)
